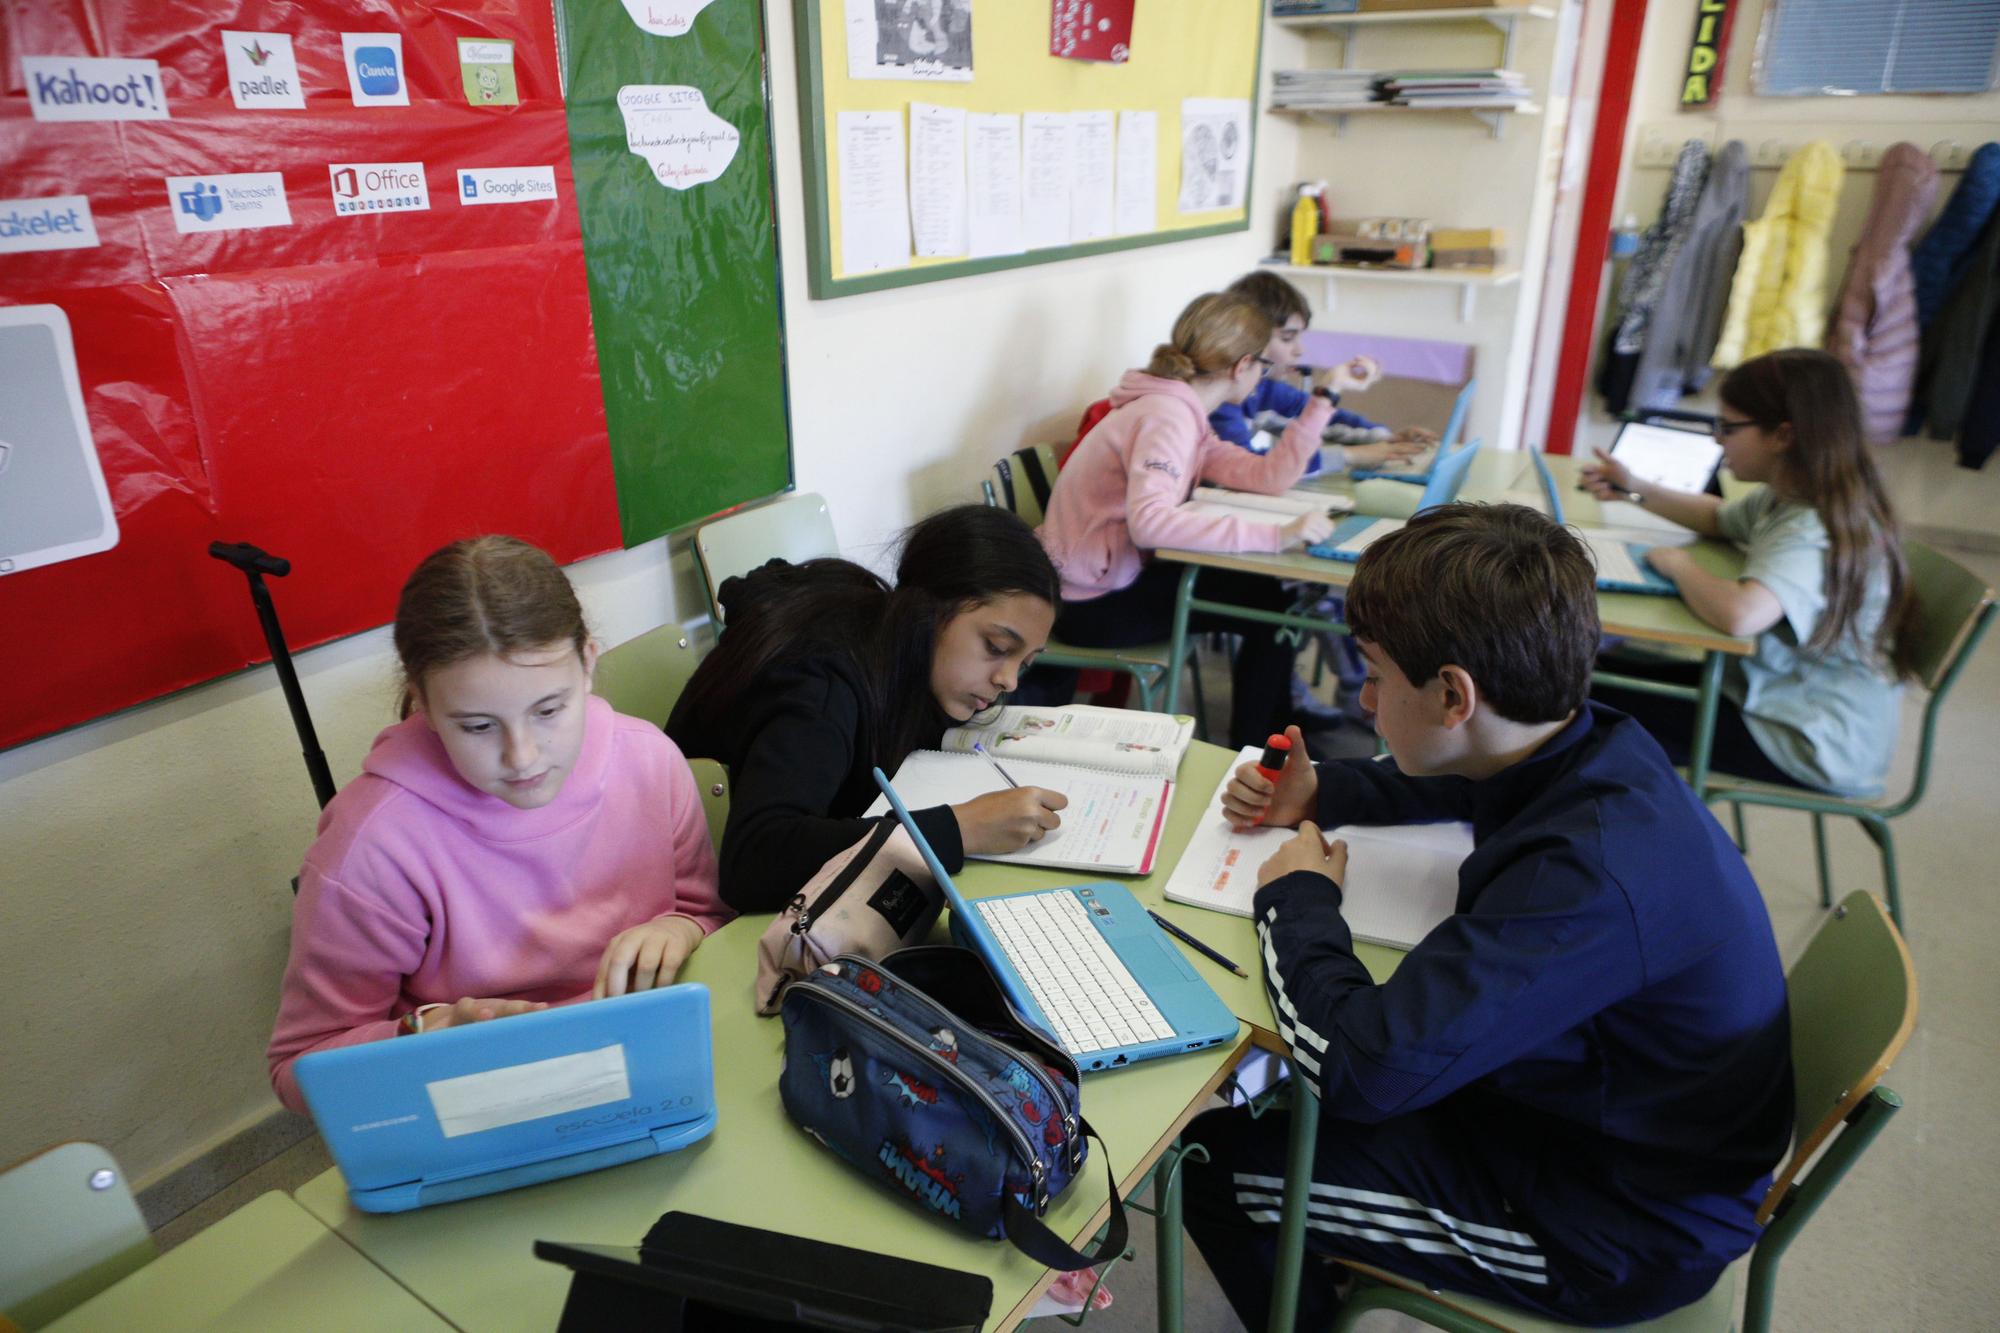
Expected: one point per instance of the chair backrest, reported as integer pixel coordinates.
(794, 528)
(1023, 479)
(1956, 605)
(68, 1230)
(1853, 1000)
(644, 676)
(712, 780)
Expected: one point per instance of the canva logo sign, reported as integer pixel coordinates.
(378, 187)
(506, 185)
(228, 203)
(81, 88)
(375, 68)
(60, 222)
(263, 73)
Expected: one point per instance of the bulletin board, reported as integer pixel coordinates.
(1179, 49)
(408, 292)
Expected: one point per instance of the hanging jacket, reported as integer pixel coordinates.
(1980, 435)
(1954, 346)
(1685, 322)
(1778, 298)
(1873, 331)
(1940, 258)
(1645, 279)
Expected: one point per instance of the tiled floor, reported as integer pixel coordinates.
(1908, 1241)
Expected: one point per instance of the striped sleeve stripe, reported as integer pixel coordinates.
(1375, 1198)
(1411, 1243)
(1415, 1225)
(1277, 986)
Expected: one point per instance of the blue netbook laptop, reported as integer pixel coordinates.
(414, 1121)
(1621, 565)
(1351, 536)
(1086, 963)
(1419, 469)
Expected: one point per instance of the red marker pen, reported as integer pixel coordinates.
(1277, 749)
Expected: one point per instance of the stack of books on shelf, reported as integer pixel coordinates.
(1285, 9)
(1477, 89)
(1467, 247)
(1322, 89)
(1374, 243)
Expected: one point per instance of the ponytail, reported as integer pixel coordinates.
(1214, 333)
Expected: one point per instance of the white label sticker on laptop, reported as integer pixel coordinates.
(500, 1097)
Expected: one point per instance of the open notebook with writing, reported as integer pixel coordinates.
(1402, 879)
(1116, 766)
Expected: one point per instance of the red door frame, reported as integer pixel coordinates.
(1593, 237)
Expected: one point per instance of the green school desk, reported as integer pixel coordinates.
(1494, 475)
(268, 1265)
(472, 1261)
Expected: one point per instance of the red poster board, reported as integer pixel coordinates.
(347, 391)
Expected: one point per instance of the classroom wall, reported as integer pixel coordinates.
(144, 900)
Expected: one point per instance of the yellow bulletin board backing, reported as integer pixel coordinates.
(1180, 49)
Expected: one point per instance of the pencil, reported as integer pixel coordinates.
(1193, 943)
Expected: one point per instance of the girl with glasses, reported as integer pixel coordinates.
(1824, 589)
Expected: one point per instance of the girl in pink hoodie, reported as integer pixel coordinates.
(510, 844)
(1124, 493)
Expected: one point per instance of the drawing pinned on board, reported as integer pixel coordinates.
(53, 502)
(671, 126)
(928, 40)
(665, 18)
(487, 67)
(1215, 153)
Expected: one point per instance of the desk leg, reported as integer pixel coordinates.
(1298, 1191)
(1704, 723)
(1177, 650)
(1167, 1239)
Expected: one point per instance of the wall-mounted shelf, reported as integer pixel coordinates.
(1500, 16)
(1492, 117)
(1467, 280)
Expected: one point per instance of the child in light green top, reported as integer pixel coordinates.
(1824, 588)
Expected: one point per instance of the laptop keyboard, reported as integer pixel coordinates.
(1615, 562)
(1088, 995)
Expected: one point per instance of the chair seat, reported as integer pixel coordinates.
(1156, 655)
(1713, 1312)
(1724, 786)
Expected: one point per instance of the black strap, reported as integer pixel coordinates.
(1038, 482)
(1032, 1237)
(1005, 470)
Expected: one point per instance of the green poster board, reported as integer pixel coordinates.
(684, 292)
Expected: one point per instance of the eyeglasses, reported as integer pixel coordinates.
(1265, 365)
(1722, 429)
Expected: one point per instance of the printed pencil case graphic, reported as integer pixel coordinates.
(919, 1073)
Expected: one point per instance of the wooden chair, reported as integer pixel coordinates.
(1853, 1001)
(794, 528)
(68, 1230)
(1957, 608)
(1021, 482)
(644, 676)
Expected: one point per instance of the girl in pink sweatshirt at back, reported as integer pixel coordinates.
(1124, 493)
(510, 844)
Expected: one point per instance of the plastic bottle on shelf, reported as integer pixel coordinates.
(1305, 224)
(1625, 237)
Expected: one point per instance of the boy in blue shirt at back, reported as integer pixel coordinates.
(1571, 1094)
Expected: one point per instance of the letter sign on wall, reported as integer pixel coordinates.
(1701, 85)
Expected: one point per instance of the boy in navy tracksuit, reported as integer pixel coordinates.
(1570, 1095)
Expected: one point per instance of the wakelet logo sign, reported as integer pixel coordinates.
(60, 222)
(378, 187)
(82, 88)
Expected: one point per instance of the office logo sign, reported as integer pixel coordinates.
(59, 222)
(236, 202)
(506, 185)
(375, 68)
(378, 187)
(84, 88)
(263, 73)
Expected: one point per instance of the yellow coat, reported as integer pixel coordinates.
(1778, 298)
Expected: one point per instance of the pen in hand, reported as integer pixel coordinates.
(979, 747)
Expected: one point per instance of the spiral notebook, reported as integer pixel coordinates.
(1117, 805)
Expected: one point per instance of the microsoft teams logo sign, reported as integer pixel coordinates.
(237, 202)
(378, 187)
(375, 68)
(202, 201)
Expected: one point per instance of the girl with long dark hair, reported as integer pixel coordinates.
(1824, 589)
(827, 672)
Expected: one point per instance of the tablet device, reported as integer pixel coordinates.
(1680, 459)
(53, 501)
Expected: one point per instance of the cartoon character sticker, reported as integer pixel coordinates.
(944, 1042)
(910, 1091)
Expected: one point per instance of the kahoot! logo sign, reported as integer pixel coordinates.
(79, 88)
(375, 68)
(378, 187)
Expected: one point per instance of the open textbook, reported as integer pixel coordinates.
(1402, 879)
(1115, 766)
(1276, 510)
